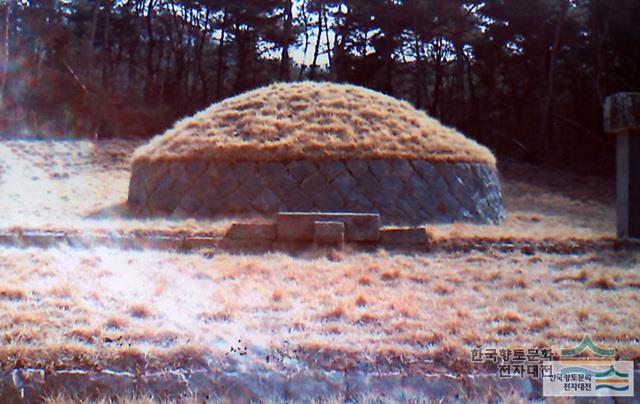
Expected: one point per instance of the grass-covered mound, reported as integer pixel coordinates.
(314, 121)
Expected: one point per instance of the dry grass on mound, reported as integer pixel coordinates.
(311, 120)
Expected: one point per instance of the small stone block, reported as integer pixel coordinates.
(328, 233)
(299, 226)
(193, 243)
(622, 113)
(404, 235)
(249, 231)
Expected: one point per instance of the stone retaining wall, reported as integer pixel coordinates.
(246, 383)
(402, 191)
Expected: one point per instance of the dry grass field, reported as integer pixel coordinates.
(382, 311)
(101, 303)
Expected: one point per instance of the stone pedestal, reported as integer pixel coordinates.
(622, 118)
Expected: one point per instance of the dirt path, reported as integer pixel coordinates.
(27, 194)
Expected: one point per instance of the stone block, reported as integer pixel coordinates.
(164, 199)
(267, 202)
(182, 184)
(465, 175)
(391, 186)
(253, 185)
(474, 171)
(419, 189)
(313, 185)
(356, 201)
(238, 202)
(369, 186)
(301, 169)
(425, 169)
(216, 169)
(457, 191)
(190, 203)
(424, 216)
(297, 200)
(330, 169)
(195, 168)
(324, 197)
(139, 184)
(228, 182)
(439, 187)
(409, 207)
(385, 205)
(272, 170)
(404, 235)
(358, 168)
(212, 201)
(329, 200)
(244, 169)
(622, 113)
(299, 226)
(345, 183)
(328, 233)
(281, 184)
(402, 169)
(158, 171)
(380, 168)
(250, 231)
(207, 193)
(164, 184)
(203, 183)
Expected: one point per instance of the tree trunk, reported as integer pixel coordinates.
(602, 36)
(316, 51)
(131, 77)
(326, 31)
(94, 22)
(242, 39)
(5, 51)
(458, 96)
(106, 61)
(544, 134)
(285, 63)
(417, 72)
(219, 92)
(198, 63)
(437, 87)
(305, 20)
(459, 90)
(149, 82)
(339, 65)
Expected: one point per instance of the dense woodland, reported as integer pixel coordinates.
(525, 77)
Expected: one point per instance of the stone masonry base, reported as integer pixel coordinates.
(402, 191)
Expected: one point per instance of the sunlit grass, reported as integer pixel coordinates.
(353, 303)
(310, 120)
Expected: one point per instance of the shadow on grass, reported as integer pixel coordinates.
(116, 211)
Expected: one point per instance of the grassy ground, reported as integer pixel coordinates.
(383, 310)
(433, 307)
